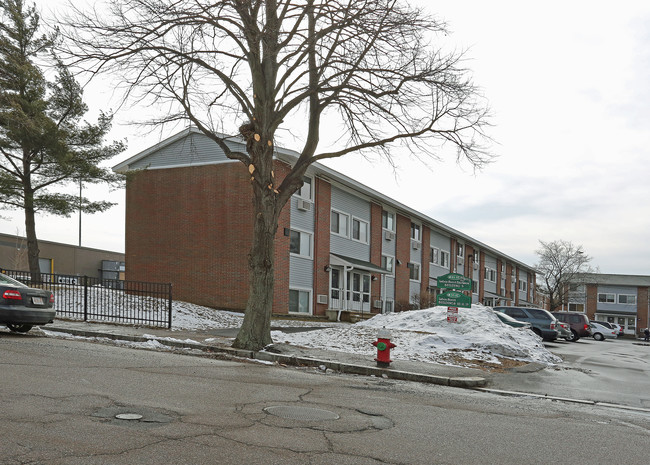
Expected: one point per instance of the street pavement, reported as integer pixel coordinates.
(568, 382)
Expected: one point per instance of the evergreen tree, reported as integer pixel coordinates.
(44, 143)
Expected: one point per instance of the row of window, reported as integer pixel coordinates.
(339, 225)
(626, 299)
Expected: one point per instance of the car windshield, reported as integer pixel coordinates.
(4, 279)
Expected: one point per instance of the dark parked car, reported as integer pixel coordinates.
(578, 322)
(543, 322)
(22, 307)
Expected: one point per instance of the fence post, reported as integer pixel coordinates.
(85, 298)
(170, 307)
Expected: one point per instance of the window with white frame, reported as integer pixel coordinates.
(339, 223)
(305, 191)
(628, 299)
(460, 250)
(388, 221)
(360, 230)
(607, 298)
(300, 243)
(435, 256)
(414, 271)
(299, 301)
(523, 285)
(490, 274)
(388, 263)
(415, 232)
(444, 258)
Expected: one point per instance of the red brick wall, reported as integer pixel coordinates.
(642, 309)
(375, 252)
(403, 254)
(323, 202)
(192, 226)
(592, 301)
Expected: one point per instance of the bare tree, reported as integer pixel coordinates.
(256, 68)
(561, 263)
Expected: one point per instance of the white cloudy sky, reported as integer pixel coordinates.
(568, 84)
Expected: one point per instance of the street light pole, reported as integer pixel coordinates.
(80, 188)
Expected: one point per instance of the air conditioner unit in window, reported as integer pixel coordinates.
(304, 205)
(415, 245)
(321, 299)
(389, 235)
(376, 304)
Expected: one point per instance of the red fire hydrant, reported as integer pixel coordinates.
(383, 345)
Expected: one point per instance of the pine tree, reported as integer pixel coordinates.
(44, 142)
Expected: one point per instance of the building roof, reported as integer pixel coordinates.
(291, 156)
(615, 279)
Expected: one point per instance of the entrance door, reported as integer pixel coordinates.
(359, 293)
(336, 289)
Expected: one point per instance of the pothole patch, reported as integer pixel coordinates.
(293, 412)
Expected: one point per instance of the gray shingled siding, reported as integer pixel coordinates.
(301, 272)
(196, 149)
(347, 203)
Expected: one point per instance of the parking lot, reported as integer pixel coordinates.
(615, 371)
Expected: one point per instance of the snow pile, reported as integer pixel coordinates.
(426, 336)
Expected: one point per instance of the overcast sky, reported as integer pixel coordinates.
(569, 87)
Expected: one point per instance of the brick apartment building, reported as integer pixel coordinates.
(616, 298)
(340, 246)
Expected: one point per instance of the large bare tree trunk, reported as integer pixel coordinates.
(255, 332)
(32, 242)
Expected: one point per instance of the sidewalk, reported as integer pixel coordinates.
(219, 341)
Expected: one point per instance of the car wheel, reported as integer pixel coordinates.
(574, 337)
(598, 336)
(19, 328)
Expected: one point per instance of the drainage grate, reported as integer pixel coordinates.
(291, 412)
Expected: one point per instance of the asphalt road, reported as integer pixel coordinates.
(60, 399)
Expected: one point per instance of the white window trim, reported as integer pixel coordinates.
(311, 191)
(360, 220)
(394, 221)
(419, 279)
(311, 304)
(442, 264)
(392, 272)
(340, 213)
(460, 250)
(437, 263)
(311, 244)
(419, 225)
(618, 299)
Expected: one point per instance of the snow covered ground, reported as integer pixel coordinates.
(420, 335)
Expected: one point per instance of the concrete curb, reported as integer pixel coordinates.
(468, 382)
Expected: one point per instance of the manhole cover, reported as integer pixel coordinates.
(291, 412)
(128, 416)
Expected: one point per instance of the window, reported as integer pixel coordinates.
(490, 274)
(515, 313)
(414, 271)
(305, 191)
(339, 224)
(460, 250)
(360, 230)
(607, 298)
(298, 301)
(444, 259)
(388, 220)
(523, 285)
(415, 232)
(627, 299)
(435, 256)
(387, 263)
(300, 243)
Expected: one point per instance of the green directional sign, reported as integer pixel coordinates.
(454, 281)
(454, 299)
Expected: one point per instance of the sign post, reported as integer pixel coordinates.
(451, 298)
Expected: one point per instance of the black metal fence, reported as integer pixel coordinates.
(107, 300)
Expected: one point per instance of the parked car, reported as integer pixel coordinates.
(542, 321)
(578, 323)
(22, 307)
(620, 330)
(510, 321)
(563, 330)
(601, 330)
